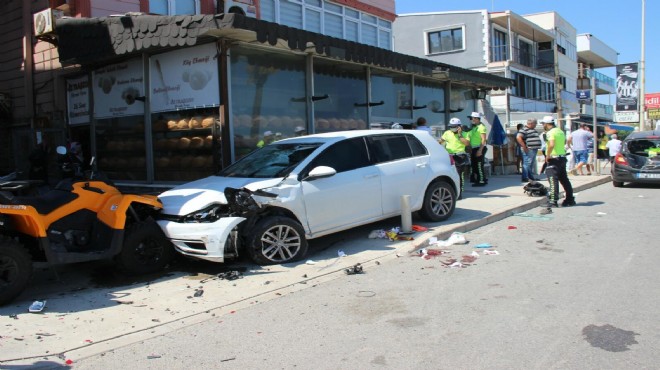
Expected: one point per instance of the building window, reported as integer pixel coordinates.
(174, 7)
(532, 88)
(500, 48)
(445, 40)
(525, 53)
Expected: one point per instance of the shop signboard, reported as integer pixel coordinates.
(184, 79)
(626, 116)
(77, 94)
(652, 100)
(654, 113)
(117, 88)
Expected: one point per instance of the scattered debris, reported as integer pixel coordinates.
(230, 275)
(152, 357)
(228, 359)
(533, 216)
(483, 245)
(355, 269)
(512, 228)
(491, 252)
(198, 293)
(311, 262)
(124, 302)
(37, 306)
(455, 238)
(377, 234)
(418, 228)
(366, 293)
(601, 214)
(468, 259)
(340, 253)
(15, 317)
(475, 254)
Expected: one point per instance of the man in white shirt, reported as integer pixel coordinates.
(578, 142)
(614, 146)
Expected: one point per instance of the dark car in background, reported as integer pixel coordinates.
(639, 159)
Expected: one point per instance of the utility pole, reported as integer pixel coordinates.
(558, 89)
(642, 119)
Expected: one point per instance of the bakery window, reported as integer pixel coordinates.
(121, 149)
(186, 144)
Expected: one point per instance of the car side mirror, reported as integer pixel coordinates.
(320, 172)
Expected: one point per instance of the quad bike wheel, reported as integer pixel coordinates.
(15, 269)
(277, 239)
(145, 249)
(439, 202)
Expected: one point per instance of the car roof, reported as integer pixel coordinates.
(643, 135)
(339, 135)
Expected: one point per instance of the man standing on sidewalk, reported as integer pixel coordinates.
(478, 144)
(555, 157)
(530, 143)
(578, 142)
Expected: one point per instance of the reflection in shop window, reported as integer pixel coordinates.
(268, 97)
(346, 89)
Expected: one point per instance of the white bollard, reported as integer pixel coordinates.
(406, 215)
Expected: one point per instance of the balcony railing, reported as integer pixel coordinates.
(537, 59)
(606, 82)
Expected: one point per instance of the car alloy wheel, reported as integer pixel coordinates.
(439, 201)
(277, 239)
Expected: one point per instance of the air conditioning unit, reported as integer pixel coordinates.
(44, 21)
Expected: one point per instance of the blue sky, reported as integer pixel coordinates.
(616, 23)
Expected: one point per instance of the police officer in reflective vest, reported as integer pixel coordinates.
(455, 140)
(555, 157)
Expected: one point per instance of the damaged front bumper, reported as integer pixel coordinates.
(204, 240)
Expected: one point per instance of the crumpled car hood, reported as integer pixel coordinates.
(193, 196)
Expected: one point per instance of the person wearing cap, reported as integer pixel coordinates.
(269, 137)
(556, 170)
(478, 154)
(455, 141)
(299, 131)
(579, 142)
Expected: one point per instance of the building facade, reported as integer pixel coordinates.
(539, 51)
(163, 99)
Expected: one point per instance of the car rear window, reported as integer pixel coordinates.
(390, 147)
(644, 147)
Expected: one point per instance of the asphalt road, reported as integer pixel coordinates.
(576, 290)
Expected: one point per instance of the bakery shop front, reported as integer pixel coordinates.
(173, 99)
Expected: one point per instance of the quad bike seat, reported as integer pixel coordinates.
(44, 204)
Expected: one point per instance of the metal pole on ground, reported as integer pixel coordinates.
(406, 214)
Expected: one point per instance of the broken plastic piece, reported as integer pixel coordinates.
(474, 254)
(198, 293)
(418, 228)
(37, 306)
(491, 252)
(456, 264)
(355, 269)
(511, 227)
(483, 245)
(455, 238)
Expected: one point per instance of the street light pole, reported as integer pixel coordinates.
(642, 120)
(596, 162)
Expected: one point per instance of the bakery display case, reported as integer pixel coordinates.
(186, 144)
(120, 148)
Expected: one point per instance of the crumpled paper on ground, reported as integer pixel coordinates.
(455, 238)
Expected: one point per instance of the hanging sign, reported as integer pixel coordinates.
(77, 97)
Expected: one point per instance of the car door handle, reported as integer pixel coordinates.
(421, 165)
(371, 176)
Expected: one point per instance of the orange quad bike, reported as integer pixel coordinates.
(82, 219)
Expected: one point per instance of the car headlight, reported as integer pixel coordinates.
(209, 214)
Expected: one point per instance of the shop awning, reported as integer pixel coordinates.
(621, 127)
(95, 41)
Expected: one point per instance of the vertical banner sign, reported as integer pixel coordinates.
(116, 88)
(185, 79)
(77, 97)
(626, 87)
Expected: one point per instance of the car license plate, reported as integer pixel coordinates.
(648, 175)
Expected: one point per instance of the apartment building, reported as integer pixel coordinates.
(541, 52)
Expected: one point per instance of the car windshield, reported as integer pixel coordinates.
(649, 147)
(274, 160)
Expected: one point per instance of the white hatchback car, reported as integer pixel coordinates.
(272, 201)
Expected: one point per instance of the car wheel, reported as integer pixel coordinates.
(617, 184)
(146, 249)
(439, 201)
(277, 239)
(15, 269)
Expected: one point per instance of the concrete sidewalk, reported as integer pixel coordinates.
(83, 317)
